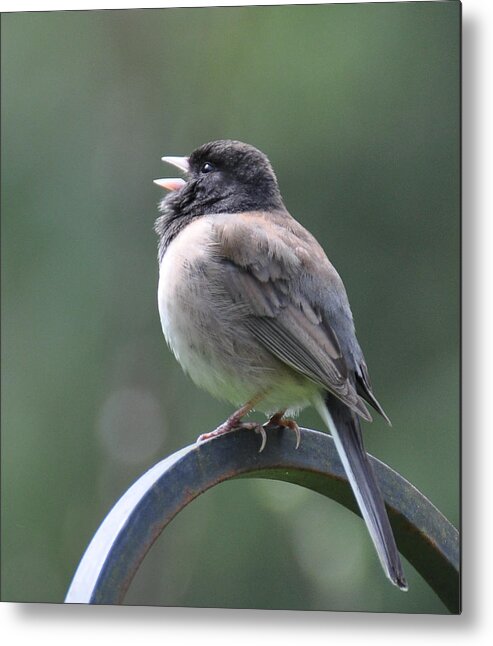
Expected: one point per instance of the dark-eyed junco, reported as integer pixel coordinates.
(256, 314)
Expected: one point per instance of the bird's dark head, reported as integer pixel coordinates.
(220, 177)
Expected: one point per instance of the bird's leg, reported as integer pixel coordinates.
(234, 422)
(279, 421)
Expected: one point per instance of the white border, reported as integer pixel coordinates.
(59, 625)
(57, 5)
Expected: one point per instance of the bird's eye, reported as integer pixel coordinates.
(207, 168)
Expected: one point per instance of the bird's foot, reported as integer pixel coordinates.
(279, 421)
(235, 425)
(226, 427)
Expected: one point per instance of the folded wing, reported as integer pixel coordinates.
(269, 280)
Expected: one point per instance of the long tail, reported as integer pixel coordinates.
(346, 431)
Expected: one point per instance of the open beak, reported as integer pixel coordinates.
(174, 183)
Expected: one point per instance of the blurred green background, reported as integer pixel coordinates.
(357, 107)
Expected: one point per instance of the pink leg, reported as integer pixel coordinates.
(234, 422)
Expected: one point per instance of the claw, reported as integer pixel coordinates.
(233, 422)
(261, 430)
(279, 421)
(297, 432)
(227, 428)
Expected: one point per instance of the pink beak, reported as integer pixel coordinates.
(174, 183)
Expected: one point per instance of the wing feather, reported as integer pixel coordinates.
(265, 280)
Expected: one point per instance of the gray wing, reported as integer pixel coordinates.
(272, 281)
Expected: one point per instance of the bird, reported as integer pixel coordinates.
(257, 315)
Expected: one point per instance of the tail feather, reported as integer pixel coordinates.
(346, 431)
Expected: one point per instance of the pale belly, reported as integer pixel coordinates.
(203, 328)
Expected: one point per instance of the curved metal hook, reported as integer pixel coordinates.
(424, 536)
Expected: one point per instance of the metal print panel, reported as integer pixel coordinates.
(314, 217)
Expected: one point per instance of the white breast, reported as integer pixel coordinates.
(197, 316)
(203, 328)
(176, 281)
